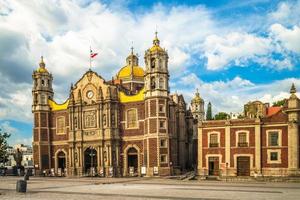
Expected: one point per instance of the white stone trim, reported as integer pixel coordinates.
(278, 151)
(279, 137)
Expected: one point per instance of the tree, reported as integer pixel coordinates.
(3, 146)
(279, 103)
(209, 112)
(221, 115)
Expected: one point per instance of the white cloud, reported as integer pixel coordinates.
(235, 47)
(231, 95)
(287, 13)
(289, 38)
(63, 31)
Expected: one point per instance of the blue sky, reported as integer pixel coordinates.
(233, 51)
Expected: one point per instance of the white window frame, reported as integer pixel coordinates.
(279, 137)
(166, 143)
(161, 157)
(278, 151)
(137, 119)
(237, 137)
(64, 127)
(208, 139)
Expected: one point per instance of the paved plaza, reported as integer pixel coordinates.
(145, 188)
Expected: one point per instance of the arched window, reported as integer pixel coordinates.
(152, 82)
(104, 120)
(43, 82)
(161, 83)
(60, 125)
(43, 99)
(131, 118)
(152, 62)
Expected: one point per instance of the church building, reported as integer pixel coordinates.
(130, 125)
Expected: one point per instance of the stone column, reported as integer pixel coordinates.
(257, 146)
(200, 164)
(293, 147)
(227, 146)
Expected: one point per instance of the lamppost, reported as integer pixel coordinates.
(92, 154)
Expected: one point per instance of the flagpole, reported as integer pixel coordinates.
(90, 58)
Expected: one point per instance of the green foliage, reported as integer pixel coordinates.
(209, 112)
(3, 146)
(279, 103)
(221, 115)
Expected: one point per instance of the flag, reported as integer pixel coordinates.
(93, 54)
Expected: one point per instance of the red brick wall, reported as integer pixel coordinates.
(140, 106)
(53, 135)
(153, 152)
(284, 148)
(153, 108)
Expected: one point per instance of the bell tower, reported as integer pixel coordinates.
(157, 74)
(42, 87)
(41, 92)
(156, 78)
(197, 105)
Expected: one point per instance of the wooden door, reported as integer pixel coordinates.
(213, 166)
(243, 166)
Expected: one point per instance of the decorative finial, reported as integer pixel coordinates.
(293, 89)
(132, 49)
(156, 40)
(42, 63)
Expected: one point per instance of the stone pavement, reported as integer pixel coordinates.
(145, 188)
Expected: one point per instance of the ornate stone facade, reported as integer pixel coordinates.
(130, 125)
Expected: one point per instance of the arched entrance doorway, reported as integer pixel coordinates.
(61, 163)
(90, 160)
(132, 161)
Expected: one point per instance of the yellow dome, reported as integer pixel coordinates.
(156, 48)
(126, 72)
(41, 70)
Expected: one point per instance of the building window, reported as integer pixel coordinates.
(273, 156)
(131, 118)
(75, 122)
(43, 82)
(152, 62)
(162, 124)
(213, 138)
(273, 138)
(161, 83)
(163, 158)
(60, 125)
(104, 119)
(161, 108)
(242, 139)
(163, 143)
(152, 82)
(43, 99)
